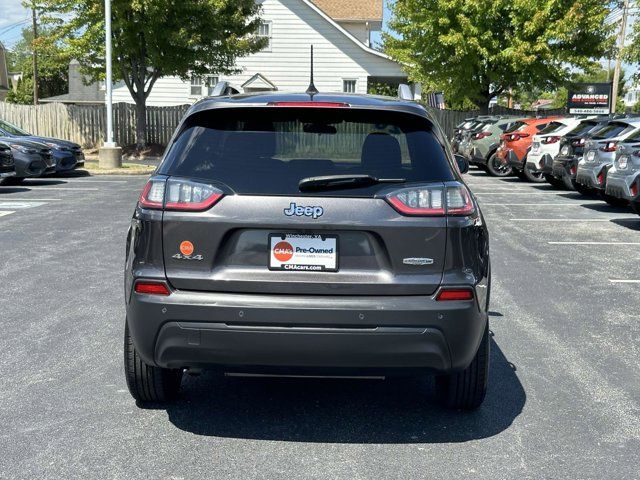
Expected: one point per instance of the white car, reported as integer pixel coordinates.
(546, 144)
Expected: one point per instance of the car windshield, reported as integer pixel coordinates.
(551, 127)
(634, 137)
(516, 126)
(612, 130)
(267, 151)
(582, 128)
(12, 129)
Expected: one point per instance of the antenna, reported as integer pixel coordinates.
(312, 90)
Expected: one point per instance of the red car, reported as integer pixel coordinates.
(516, 142)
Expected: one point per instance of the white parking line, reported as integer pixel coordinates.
(67, 180)
(20, 205)
(593, 243)
(526, 193)
(33, 199)
(6, 212)
(612, 280)
(42, 187)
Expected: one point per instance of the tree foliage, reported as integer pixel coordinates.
(53, 66)
(474, 50)
(155, 38)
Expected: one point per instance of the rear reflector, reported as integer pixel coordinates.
(310, 104)
(152, 288)
(179, 194)
(453, 294)
(601, 178)
(634, 190)
(431, 200)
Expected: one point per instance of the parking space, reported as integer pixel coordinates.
(563, 401)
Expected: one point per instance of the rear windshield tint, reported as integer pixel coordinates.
(550, 127)
(612, 130)
(634, 137)
(267, 151)
(582, 128)
(515, 126)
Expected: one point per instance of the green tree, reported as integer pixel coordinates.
(476, 49)
(53, 66)
(155, 38)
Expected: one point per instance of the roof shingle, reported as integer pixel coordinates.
(351, 9)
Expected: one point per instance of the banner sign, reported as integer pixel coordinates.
(590, 99)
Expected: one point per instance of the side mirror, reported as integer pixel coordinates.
(463, 163)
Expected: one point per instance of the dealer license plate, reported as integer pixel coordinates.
(303, 252)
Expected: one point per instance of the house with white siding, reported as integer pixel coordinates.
(344, 61)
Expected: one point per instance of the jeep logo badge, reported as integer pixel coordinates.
(299, 211)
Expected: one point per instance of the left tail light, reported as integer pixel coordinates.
(179, 194)
(549, 140)
(431, 200)
(609, 147)
(481, 135)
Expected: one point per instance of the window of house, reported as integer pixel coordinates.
(349, 86)
(202, 85)
(264, 31)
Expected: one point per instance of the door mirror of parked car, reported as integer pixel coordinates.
(463, 163)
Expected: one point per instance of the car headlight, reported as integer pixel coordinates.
(22, 148)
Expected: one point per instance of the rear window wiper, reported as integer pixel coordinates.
(337, 182)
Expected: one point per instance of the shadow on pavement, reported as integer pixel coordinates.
(630, 223)
(72, 174)
(4, 189)
(34, 182)
(605, 207)
(343, 411)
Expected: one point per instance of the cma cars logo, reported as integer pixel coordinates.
(299, 211)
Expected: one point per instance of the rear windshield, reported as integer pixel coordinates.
(515, 126)
(581, 129)
(633, 138)
(612, 130)
(551, 127)
(267, 151)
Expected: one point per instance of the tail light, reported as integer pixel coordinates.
(432, 200)
(609, 147)
(179, 194)
(516, 136)
(573, 170)
(549, 140)
(579, 142)
(634, 190)
(151, 288)
(454, 294)
(601, 178)
(636, 153)
(481, 135)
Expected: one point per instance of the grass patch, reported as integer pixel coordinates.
(127, 169)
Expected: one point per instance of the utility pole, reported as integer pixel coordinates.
(616, 72)
(35, 54)
(109, 155)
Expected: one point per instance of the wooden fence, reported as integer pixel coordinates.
(86, 124)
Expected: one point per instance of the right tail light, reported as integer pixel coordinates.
(432, 200)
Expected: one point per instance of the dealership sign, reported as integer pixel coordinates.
(590, 98)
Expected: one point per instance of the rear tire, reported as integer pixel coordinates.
(495, 167)
(635, 206)
(556, 182)
(532, 177)
(466, 389)
(568, 183)
(147, 383)
(614, 201)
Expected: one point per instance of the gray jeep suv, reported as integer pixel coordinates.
(326, 235)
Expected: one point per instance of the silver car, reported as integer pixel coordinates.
(599, 154)
(623, 179)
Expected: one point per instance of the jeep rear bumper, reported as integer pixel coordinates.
(251, 332)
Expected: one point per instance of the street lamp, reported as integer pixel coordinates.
(110, 155)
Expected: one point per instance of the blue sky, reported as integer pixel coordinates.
(14, 18)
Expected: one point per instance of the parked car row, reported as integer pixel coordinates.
(592, 155)
(23, 155)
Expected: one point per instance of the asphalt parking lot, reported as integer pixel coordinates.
(563, 401)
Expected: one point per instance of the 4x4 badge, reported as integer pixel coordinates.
(299, 211)
(417, 261)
